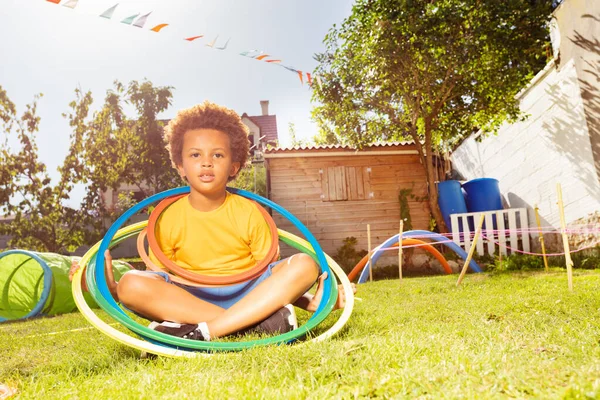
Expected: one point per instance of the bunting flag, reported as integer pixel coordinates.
(225, 46)
(212, 44)
(288, 68)
(245, 53)
(318, 78)
(142, 20)
(129, 20)
(109, 13)
(158, 27)
(71, 3)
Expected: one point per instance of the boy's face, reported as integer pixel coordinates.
(206, 161)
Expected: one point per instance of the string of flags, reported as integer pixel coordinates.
(139, 21)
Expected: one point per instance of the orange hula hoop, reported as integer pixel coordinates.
(426, 246)
(208, 280)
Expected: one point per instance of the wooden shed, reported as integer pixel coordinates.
(337, 190)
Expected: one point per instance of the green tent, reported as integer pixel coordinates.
(33, 284)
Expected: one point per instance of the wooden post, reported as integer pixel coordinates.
(471, 250)
(400, 248)
(563, 225)
(539, 224)
(369, 245)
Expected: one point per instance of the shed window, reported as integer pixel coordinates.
(345, 183)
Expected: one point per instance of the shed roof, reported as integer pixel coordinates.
(406, 147)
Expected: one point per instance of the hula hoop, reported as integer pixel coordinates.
(290, 238)
(48, 281)
(195, 278)
(179, 343)
(179, 352)
(424, 245)
(101, 279)
(429, 235)
(99, 290)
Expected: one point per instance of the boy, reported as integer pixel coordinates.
(216, 233)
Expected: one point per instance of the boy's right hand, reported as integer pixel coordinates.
(110, 279)
(74, 267)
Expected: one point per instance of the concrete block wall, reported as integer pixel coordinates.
(551, 146)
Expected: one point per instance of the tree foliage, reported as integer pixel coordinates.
(107, 149)
(253, 178)
(117, 150)
(429, 71)
(38, 218)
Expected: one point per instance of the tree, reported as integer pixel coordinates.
(117, 150)
(41, 221)
(430, 71)
(106, 151)
(253, 177)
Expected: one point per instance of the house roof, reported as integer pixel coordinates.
(267, 125)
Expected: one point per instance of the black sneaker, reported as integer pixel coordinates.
(184, 331)
(282, 321)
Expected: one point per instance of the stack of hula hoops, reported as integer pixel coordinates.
(151, 341)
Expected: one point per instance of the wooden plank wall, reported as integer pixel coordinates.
(299, 185)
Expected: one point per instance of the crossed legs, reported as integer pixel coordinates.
(151, 296)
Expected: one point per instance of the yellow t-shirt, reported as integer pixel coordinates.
(225, 241)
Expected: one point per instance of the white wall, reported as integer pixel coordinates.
(551, 146)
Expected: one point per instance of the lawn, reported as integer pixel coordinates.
(502, 335)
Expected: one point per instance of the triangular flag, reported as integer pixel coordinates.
(273, 61)
(191, 39)
(262, 56)
(71, 3)
(245, 53)
(108, 13)
(129, 20)
(141, 20)
(212, 44)
(54, 1)
(224, 47)
(300, 75)
(288, 68)
(158, 27)
(308, 79)
(318, 78)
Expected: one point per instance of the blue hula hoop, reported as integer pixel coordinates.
(408, 234)
(98, 273)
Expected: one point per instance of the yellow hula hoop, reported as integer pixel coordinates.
(343, 279)
(143, 345)
(105, 328)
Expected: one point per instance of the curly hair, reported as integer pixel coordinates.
(208, 116)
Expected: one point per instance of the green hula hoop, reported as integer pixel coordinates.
(180, 344)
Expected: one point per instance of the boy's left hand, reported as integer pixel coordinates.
(341, 300)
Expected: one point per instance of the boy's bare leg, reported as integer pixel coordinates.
(291, 278)
(152, 297)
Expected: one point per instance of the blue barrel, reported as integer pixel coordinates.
(450, 200)
(482, 194)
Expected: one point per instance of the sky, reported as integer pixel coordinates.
(52, 49)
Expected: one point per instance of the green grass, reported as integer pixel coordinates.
(518, 335)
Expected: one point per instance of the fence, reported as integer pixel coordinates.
(506, 228)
